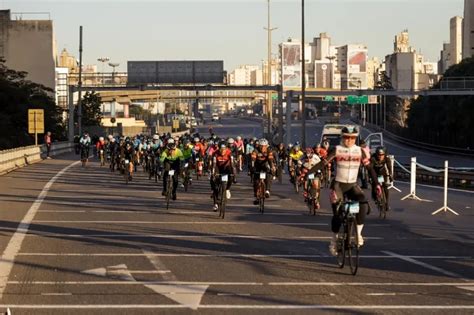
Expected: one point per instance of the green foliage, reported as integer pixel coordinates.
(444, 120)
(394, 105)
(17, 95)
(91, 112)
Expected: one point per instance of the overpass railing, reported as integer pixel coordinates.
(19, 157)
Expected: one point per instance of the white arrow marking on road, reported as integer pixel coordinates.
(189, 295)
(467, 288)
(120, 272)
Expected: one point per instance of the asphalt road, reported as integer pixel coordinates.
(89, 243)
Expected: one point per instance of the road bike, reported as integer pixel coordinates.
(221, 198)
(261, 188)
(186, 177)
(381, 200)
(101, 157)
(347, 241)
(169, 187)
(313, 192)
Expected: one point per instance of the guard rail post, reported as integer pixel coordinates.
(412, 194)
(445, 207)
(392, 186)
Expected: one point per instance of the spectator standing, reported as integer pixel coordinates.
(47, 142)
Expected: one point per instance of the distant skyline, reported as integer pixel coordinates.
(232, 30)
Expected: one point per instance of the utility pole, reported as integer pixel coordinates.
(303, 81)
(79, 102)
(269, 72)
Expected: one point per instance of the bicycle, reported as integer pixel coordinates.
(347, 241)
(101, 157)
(221, 198)
(381, 200)
(84, 155)
(169, 187)
(313, 193)
(126, 172)
(261, 187)
(327, 176)
(186, 177)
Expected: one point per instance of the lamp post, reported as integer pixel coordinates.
(269, 71)
(303, 80)
(113, 65)
(103, 60)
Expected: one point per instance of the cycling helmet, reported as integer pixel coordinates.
(110, 137)
(239, 138)
(263, 141)
(196, 139)
(290, 146)
(112, 140)
(156, 137)
(211, 142)
(296, 147)
(171, 144)
(380, 151)
(254, 138)
(350, 131)
(222, 145)
(101, 138)
(230, 141)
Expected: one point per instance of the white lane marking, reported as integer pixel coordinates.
(283, 284)
(232, 255)
(425, 265)
(281, 238)
(151, 272)
(190, 295)
(181, 222)
(241, 306)
(14, 245)
(56, 294)
(389, 294)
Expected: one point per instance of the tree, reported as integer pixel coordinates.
(91, 112)
(17, 95)
(444, 120)
(395, 106)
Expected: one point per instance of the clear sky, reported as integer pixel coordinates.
(232, 30)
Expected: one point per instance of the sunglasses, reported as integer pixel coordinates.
(349, 137)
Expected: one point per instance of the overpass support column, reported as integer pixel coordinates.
(280, 114)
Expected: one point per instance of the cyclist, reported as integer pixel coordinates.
(348, 157)
(295, 155)
(222, 161)
(85, 142)
(248, 150)
(382, 166)
(172, 158)
(262, 161)
(129, 154)
(310, 160)
(282, 155)
(239, 145)
(187, 149)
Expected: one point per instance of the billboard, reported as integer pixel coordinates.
(357, 61)
(175, 72)
(322, 75)
(291, 64)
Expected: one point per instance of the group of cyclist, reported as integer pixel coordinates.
(308, 168)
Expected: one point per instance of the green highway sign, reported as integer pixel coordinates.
(329, 98)
(274, 96)
(354, 99)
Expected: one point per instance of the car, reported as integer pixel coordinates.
(333, 133)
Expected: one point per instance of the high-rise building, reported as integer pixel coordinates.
(402, 43)
(242, 75)
(374, 67)
(455, 40)
(29, 45)
(468, 29)
(407, 69)
(444, 60)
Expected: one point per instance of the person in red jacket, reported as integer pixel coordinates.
(222, 162)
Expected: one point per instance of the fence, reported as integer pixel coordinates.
(19, 157)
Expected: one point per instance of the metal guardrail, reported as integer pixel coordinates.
(19, 157)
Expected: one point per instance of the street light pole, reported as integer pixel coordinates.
(269, 71)
(103, 60)
(303, 80)
(79, 105)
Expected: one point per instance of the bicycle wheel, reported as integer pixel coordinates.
(168, 191)
(352, 246)
(261, 199)
(126, 173)
(341, 248)
(222, 200)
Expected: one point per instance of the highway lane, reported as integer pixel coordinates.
(98, 245)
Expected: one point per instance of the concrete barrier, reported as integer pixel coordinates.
(19, 157)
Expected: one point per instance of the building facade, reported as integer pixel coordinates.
(455, 40)
(468, 29)
(29, 45)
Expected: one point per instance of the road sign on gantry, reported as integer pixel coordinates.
(35, 121)
(354, 99)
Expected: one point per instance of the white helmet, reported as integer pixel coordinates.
(239, 138)
(156, 137)
(196, 139)
(230, 141)
(110, 137)
(263, 141)
(171, 140)
(101, 138)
